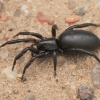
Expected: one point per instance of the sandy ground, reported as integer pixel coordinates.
(73, 70)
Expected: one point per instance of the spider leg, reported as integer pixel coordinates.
(86, 52)
(30, 33)
(32, 49)
(82, 25)
(31, 60)
(54, 27)
(55, 62)
(19, 40)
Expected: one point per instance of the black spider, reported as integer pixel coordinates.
(69, 40)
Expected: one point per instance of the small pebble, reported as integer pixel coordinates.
(18, 79)
(73, 86)
(71, 4)
(15, 92)
(3, 17)
(28, 91)
(19, 75)
(9, 73)
(72, 19)
(11, 29)
(96, 75)
(85, 93)
(4, 53)
(30, 96)
(2, 7)
(25, 8)
(9, 91)
(44, 18)
(26, 11)
(17, 13)
(41, 17)
(98, 4)
(80, 11)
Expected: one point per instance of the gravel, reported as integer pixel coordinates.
(71, 4)
(80, 11)
(85, 93)
(9, 73)
(4, 53)
(30, 96)
(96, 75)
(17, 13)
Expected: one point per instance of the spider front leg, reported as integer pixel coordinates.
(32, 49)
(30, 33)
(18, 41)
(31, 60)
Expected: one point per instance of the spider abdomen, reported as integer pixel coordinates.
(79, 39)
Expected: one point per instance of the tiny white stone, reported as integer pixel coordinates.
(98, 4)
(24, 7)
(71, 4)
(96, 75)
(73, 86)
(9, 73)
(4, 53)
(30, 96)
(26, 11)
